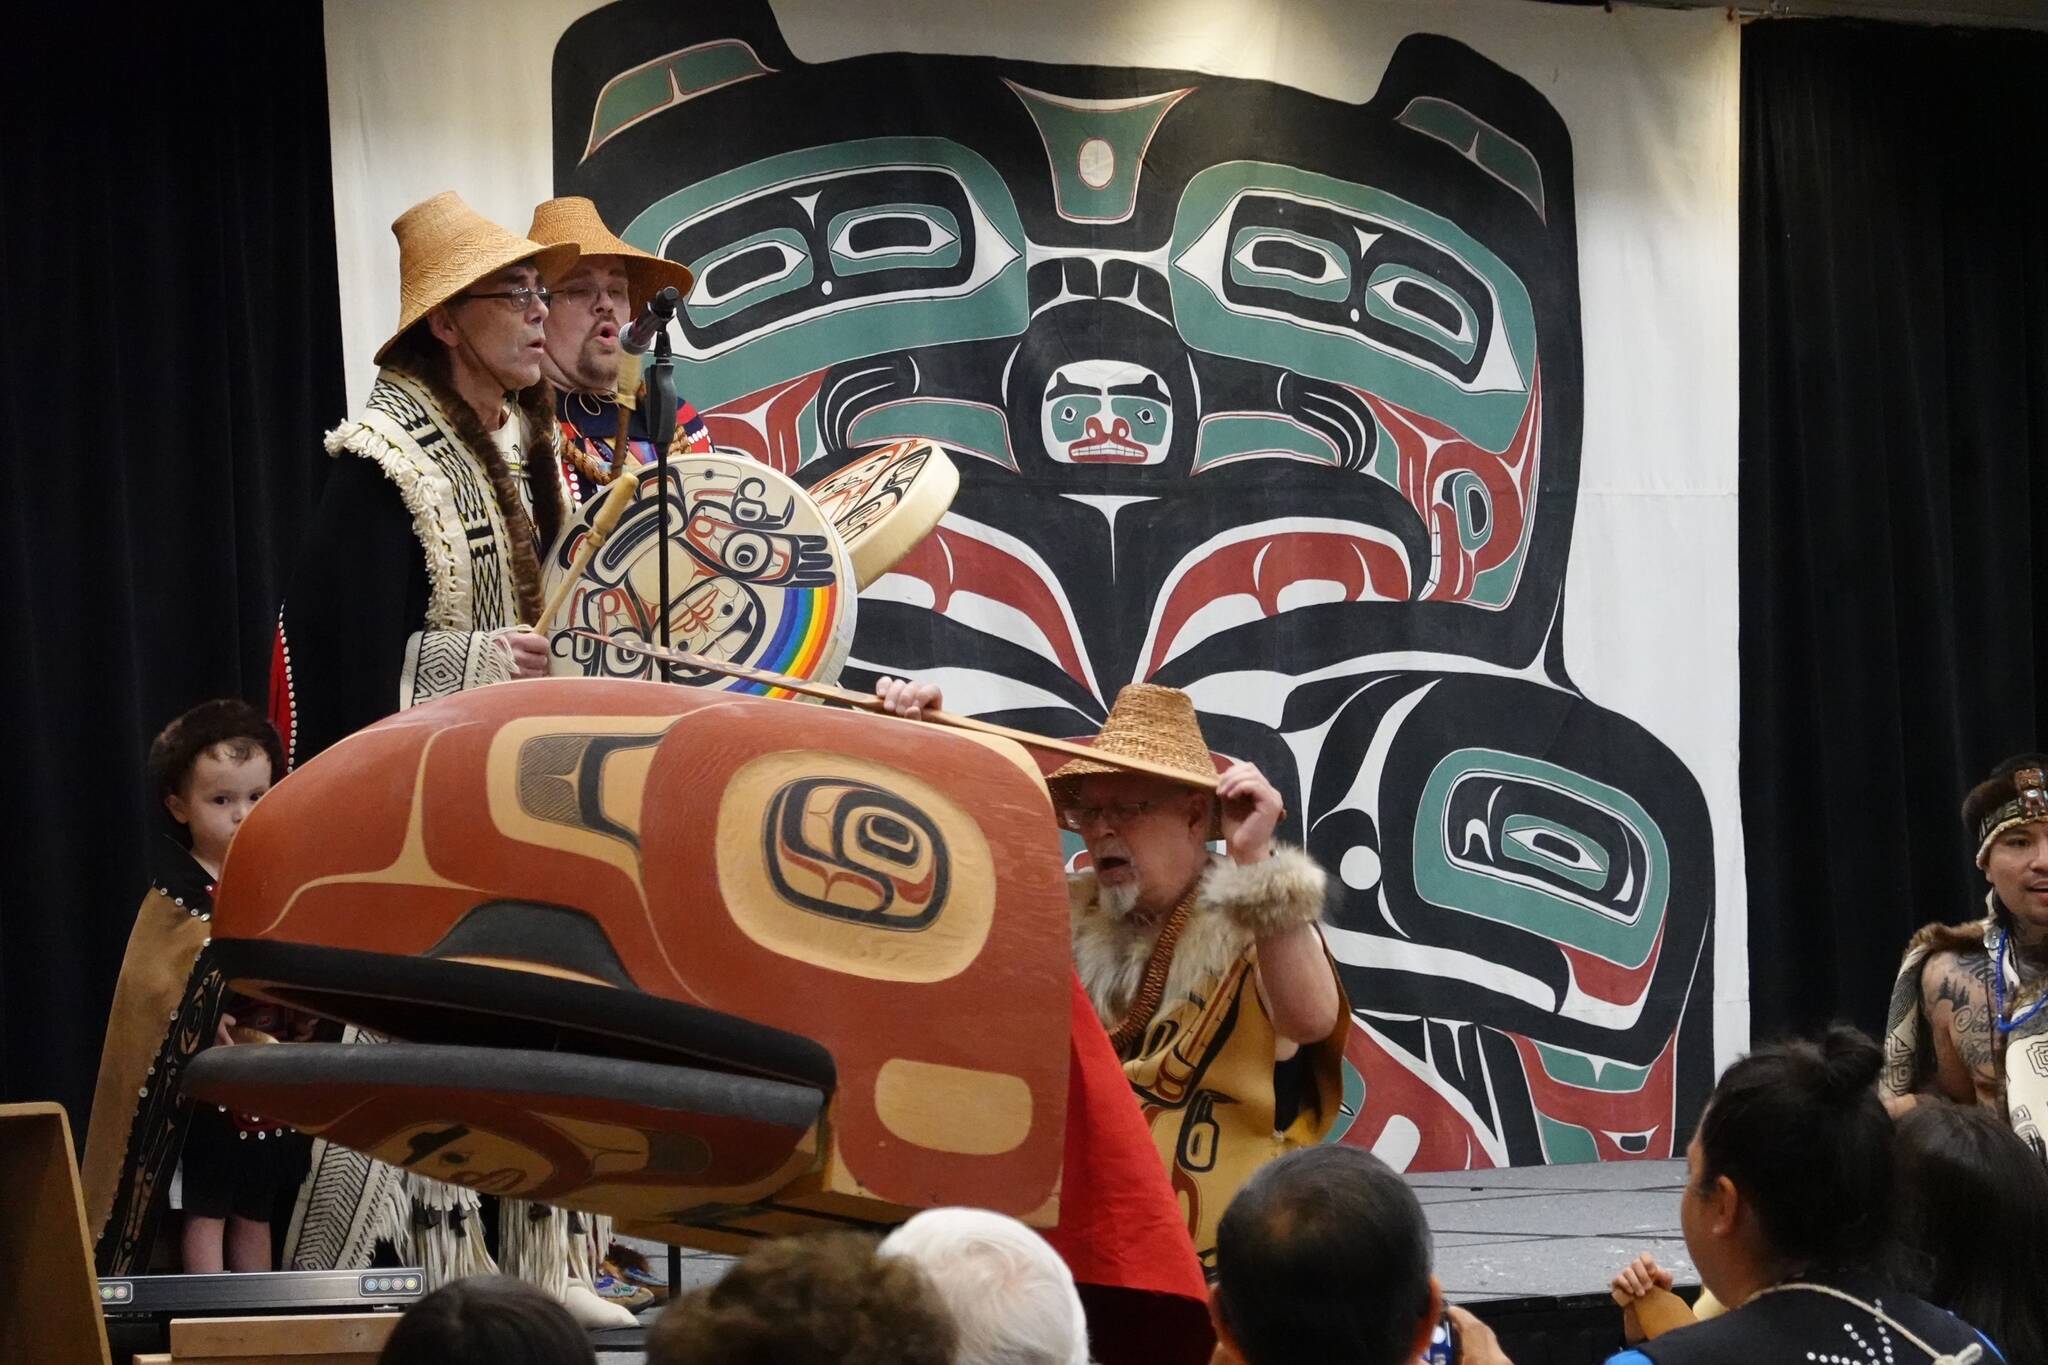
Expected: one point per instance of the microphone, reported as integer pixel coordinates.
(653, 318)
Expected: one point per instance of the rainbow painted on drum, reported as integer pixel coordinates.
(800, 643)
(757, 576)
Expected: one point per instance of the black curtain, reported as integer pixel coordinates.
(170, 346)
(1894, 484)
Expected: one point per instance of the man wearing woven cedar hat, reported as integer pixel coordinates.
(583, 361)
(421, 571)
(1209, 972)
(1967, 1022)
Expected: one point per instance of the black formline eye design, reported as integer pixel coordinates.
(877, 847)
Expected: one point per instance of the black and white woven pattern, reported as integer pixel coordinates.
(473, 498)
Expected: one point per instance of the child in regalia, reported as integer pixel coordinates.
(208, 768)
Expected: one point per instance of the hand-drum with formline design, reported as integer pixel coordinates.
(757, 575)
(884, 502)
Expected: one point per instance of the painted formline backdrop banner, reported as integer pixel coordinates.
(1367, 370)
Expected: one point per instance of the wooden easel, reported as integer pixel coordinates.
(49, 1296)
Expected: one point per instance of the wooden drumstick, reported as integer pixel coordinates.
(617, 498)
(623, 457)
(628, 387)
(868, 702)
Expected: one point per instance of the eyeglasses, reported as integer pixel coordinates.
(521, 299)
(1118, 813)
(587, 296)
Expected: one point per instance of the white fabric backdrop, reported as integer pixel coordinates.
(428, 95)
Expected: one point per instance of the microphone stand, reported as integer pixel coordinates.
(660, 408)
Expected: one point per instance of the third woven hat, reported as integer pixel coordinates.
(574, 220)
(445, 246)
(1149, 722)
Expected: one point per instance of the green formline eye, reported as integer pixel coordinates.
(1605, 893)
(897, 234)
(744, 273)
(1274, 258)
(946, 261)
(1254, 270)
(1424, 307)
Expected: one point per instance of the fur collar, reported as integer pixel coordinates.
(1236, 906)
(1957, 938)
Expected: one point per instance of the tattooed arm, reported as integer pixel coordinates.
(1955, 993)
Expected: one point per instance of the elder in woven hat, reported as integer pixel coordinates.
(1969, 1011)
(1199, 965)
(592, 307)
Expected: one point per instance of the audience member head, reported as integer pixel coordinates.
(1011, 1296)
(823, 1300)
(209, 767)
(1791, 1169)
(489, 1320)
(1972, 1211)
(1324, 1255)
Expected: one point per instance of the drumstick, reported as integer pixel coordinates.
(616, 499)
(868, 702)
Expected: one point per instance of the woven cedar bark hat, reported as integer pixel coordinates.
(1153, 723)
(445, 246)
(574, 220)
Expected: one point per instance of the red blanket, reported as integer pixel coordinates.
(1121, 1228)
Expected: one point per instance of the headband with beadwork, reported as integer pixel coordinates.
(2028, 805)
